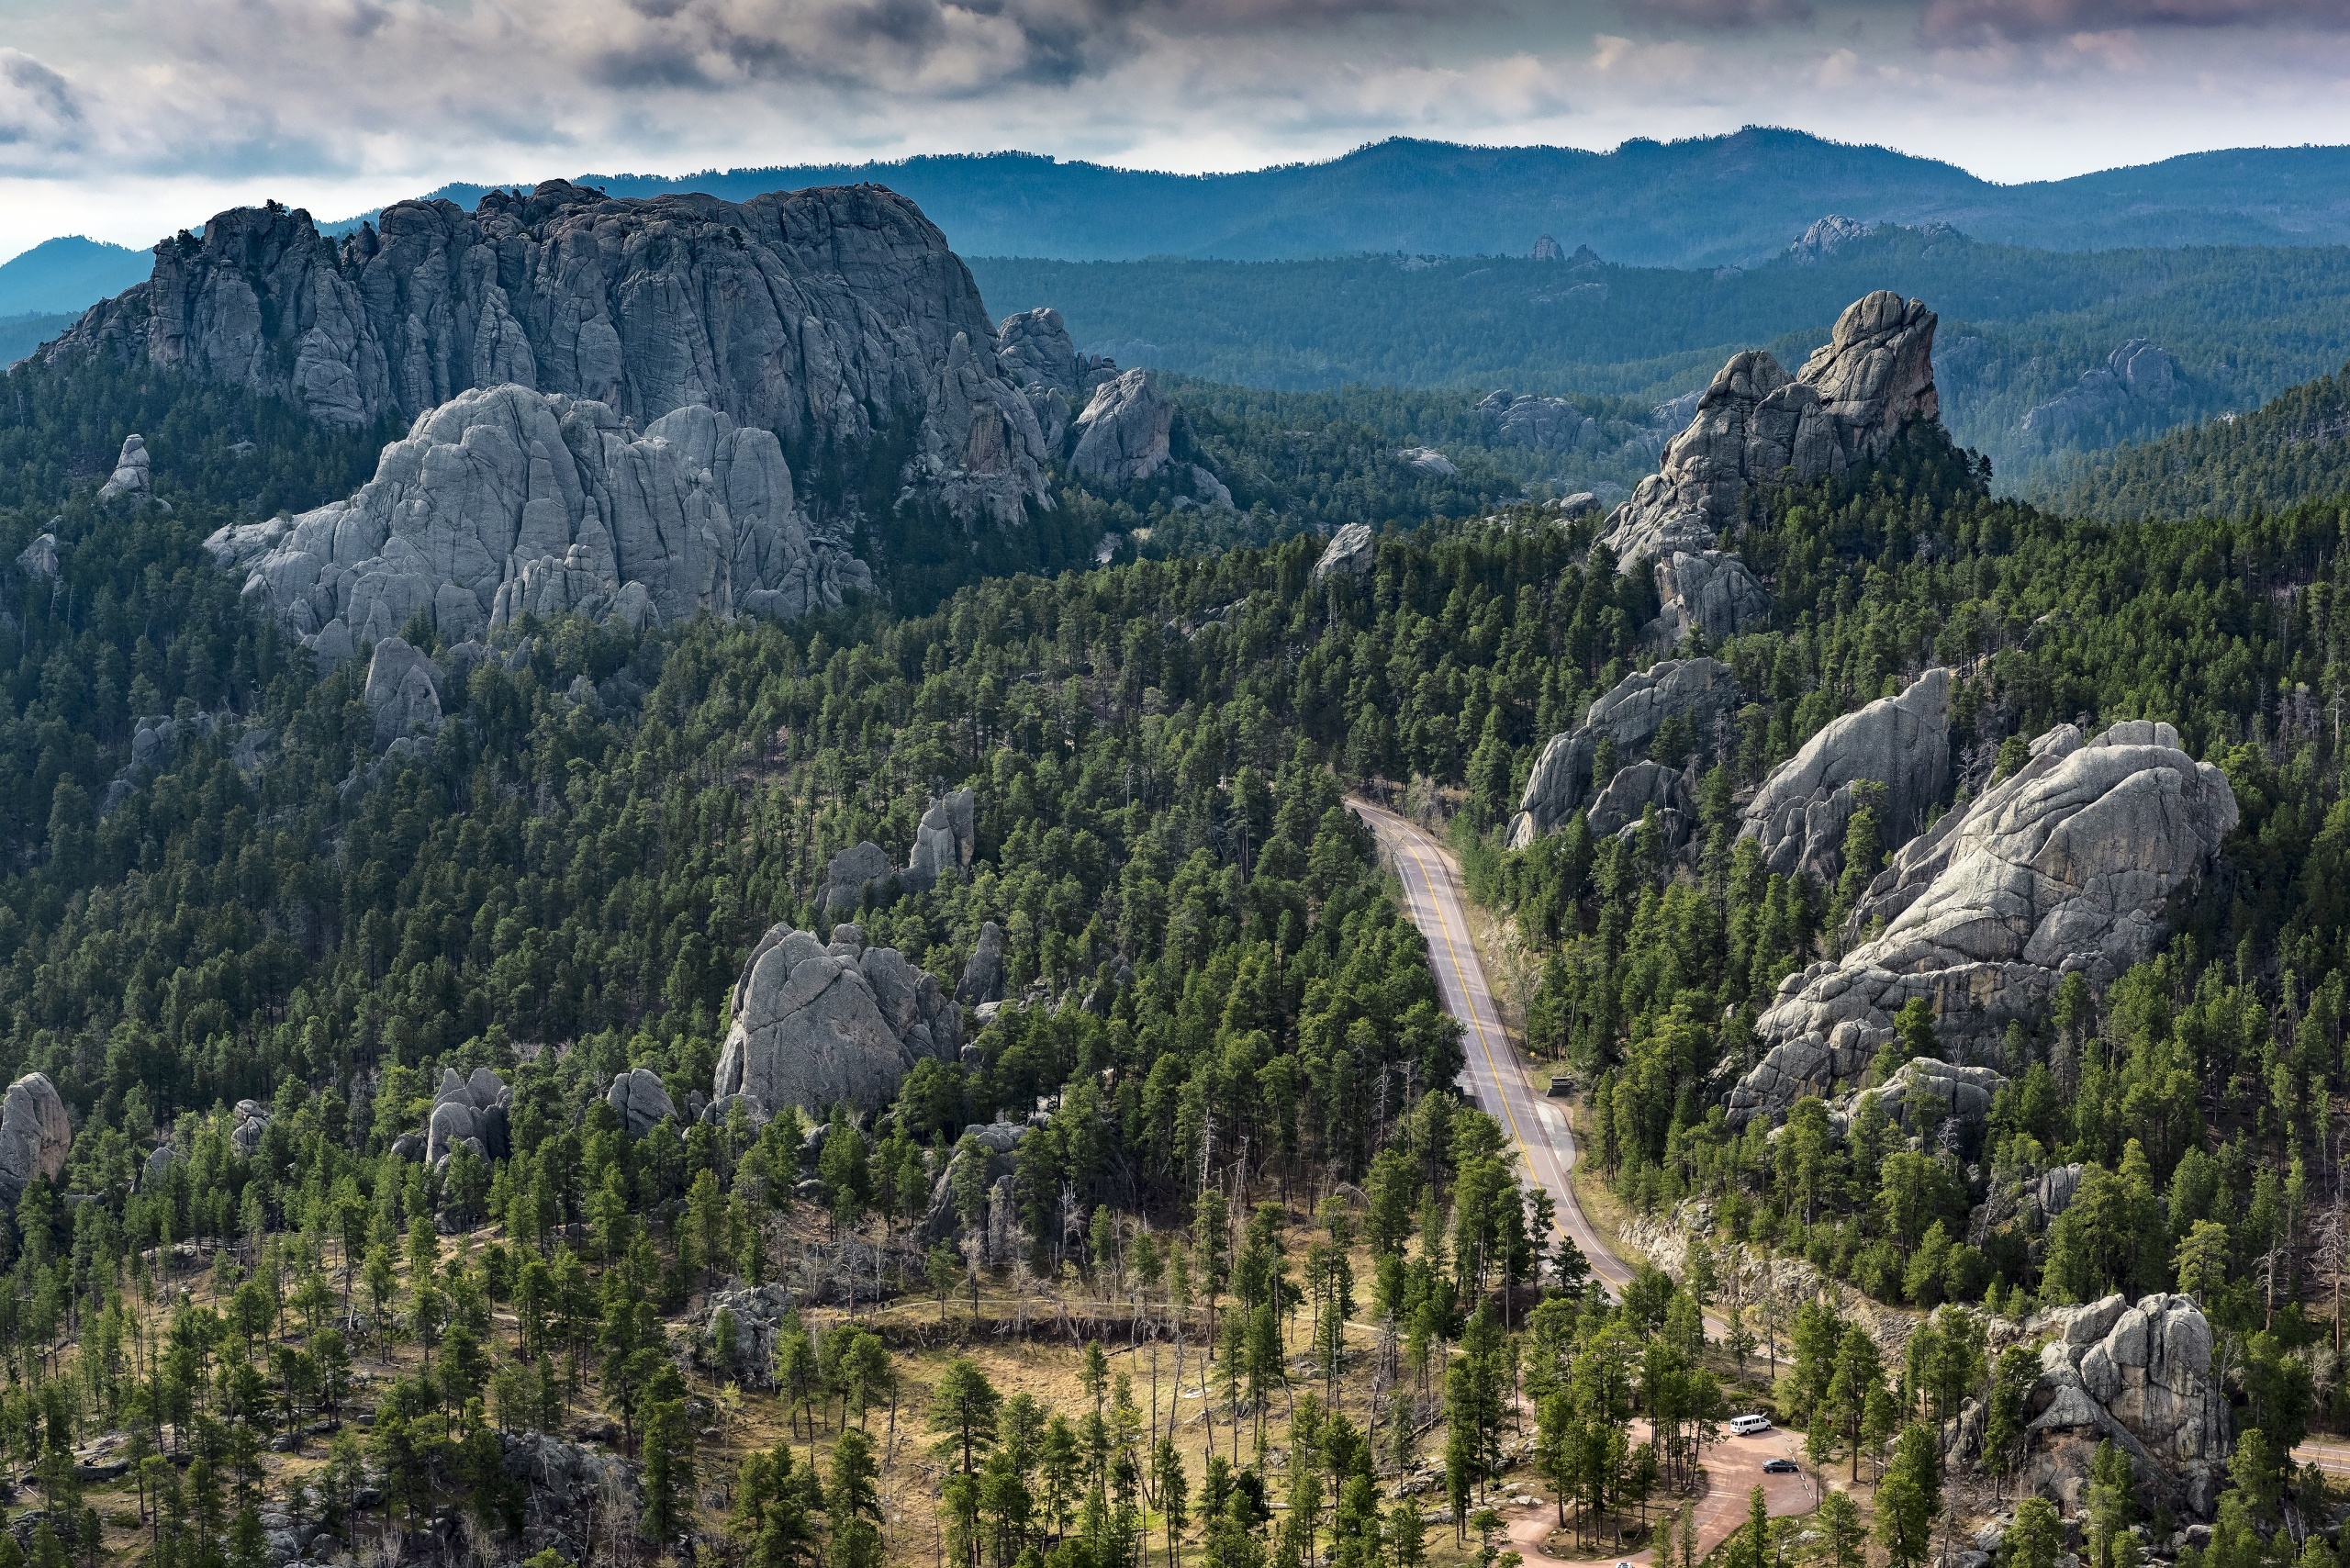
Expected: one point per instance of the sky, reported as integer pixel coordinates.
(127, 120)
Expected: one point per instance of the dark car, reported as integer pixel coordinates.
(1780, 1467)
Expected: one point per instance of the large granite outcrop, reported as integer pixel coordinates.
(2068, 865)
(1035, 350)
(1757, 426)
(1352, 552)
(944, 840)
(2139, 376)
(815, 1024)
(35, 1135)
(1709, 591)
(508, 501)
(403, 692)
(1628, 716)
(1126, 431)
(470, 1113)
(826, 316)
(2140, 1375)
(1902, 744)
(131, 479)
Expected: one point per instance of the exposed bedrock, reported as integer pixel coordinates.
(1625, 723)
(1900, 745)
(815, 1024)
(2067, 865)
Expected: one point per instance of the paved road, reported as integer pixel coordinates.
(1496, 1078)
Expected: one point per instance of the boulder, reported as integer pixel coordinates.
(944, 840)
(469, 1108)
(159, 1165)
(814, 1026)
(402, 693)
(1428, 461)
(1628, 715)
(983, 972)
(760, 1314)
(639, 1100)
(2140, 1375)
(861, 869)
(505, 502)
(1545, 424)
(2054, 1189)
(38, 559)
(1964, 1094)
(1351, 550)
(1708, 591)
(1582, 504)
(1756, 425)
(249, 1121)
(825, 316)
(1126, 431)
(129, 480)
(1800, 814)
(2066, 866)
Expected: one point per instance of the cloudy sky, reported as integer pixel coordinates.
(128, 119)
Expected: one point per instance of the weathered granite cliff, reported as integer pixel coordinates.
(831, 317)
(1757, 426)
(2067, 865)
(1625, 721)
(506, 502)
(1901, 744)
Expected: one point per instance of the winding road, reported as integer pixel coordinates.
(1497, 1079)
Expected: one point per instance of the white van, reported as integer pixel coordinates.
(1747, 1425)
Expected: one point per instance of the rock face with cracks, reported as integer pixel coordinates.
(815, 1024)
(1627, 717)
(1901, 744)
(830, 317)
(468, 1111)
(1351, 551)
(35, 1134)
(2068, 865)
(944, 840)
(508, 501)
(1125, 431)
(1757, 426)
(2140, 1375)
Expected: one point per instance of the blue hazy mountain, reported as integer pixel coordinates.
(68, 274)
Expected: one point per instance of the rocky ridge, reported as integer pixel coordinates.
(505, 502)
(2067, 865)
(1757, 426)
(830, 317)
(2137, 375)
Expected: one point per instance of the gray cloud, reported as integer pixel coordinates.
(1721, 16)
(1972, 22)
(37, 104)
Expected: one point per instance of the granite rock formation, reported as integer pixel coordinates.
(2067, 865)
(1757, 426)
(1620, 805)
(468, 1111)
(1352, 550)
(403, 692)
(1901, 744)
(1627, 717)
(131, 479)
(38, 559)
(2140, 1375)
(506, 502)
(1711, 592)
(983, 972)
(1545, 424)
(861, 870)
(1826, 237)
(944, 840)
(639, 1100)
(1036, 355)
(825, 316)
(1126, 431)
(1962, 1095)
(35, 1134)
(2139, 376)
(816, 1024)
(1428, 461)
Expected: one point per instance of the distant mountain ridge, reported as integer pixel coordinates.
(2295, 447)
(1705, 201)
(68, 273)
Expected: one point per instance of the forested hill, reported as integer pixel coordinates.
(2021, 328)
(1700, 202)
(2291, 449)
